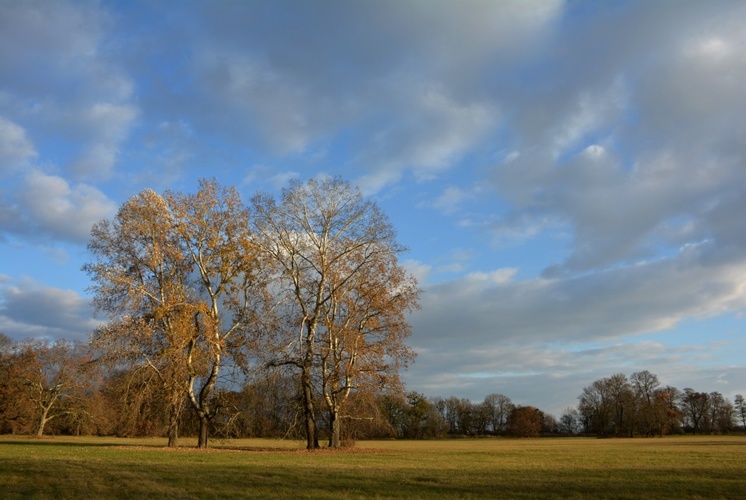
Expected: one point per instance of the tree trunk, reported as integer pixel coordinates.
(200, 404)
(204, 428)
(42, 423)
(173, 425)
(334, 440)
(312, 440)
(173, 435)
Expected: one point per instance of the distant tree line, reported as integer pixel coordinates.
(59, 388)
(615, 406)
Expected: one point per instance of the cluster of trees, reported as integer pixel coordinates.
(308, 285)
(62, 388)
(641, 406)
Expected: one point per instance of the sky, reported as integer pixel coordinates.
(569, 177)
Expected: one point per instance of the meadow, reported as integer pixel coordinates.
(671, 467)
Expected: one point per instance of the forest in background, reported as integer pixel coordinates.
(58, 389)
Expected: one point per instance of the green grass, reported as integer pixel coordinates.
(88, 468)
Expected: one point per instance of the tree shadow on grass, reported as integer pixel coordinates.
(52, 442)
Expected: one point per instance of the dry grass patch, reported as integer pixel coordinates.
(677, 467)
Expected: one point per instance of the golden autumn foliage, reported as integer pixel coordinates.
(179, 278)
(341, 294)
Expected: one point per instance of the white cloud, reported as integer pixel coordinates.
(276, 178)
(495, 311)
(710, 49)
(665, 106)
(694, 97)
(498, 277)
(110, 124)
(433, 133)
(53, 207)
(15, 146)
(450, 199)
(26, 30)
(552, 377)
(417, 269)
(59, 80)
(280, 110)
(375, 181)
(401, 76)
(616, 214)
(29, 309)
(594, 113)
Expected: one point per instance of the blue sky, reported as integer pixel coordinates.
(569, 177)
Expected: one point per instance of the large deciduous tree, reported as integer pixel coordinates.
(141, 280)
(178, 276)
(341, 294)
(498, 407)
(650, 413)
(365, 326)
(695, 406)
(596, 407)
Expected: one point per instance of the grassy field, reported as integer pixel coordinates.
(88, 468)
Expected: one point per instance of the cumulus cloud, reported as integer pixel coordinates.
(28, 309)
(110, 125)
(434, 133)
(15, 146)
(47, 206)
(626, 300)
